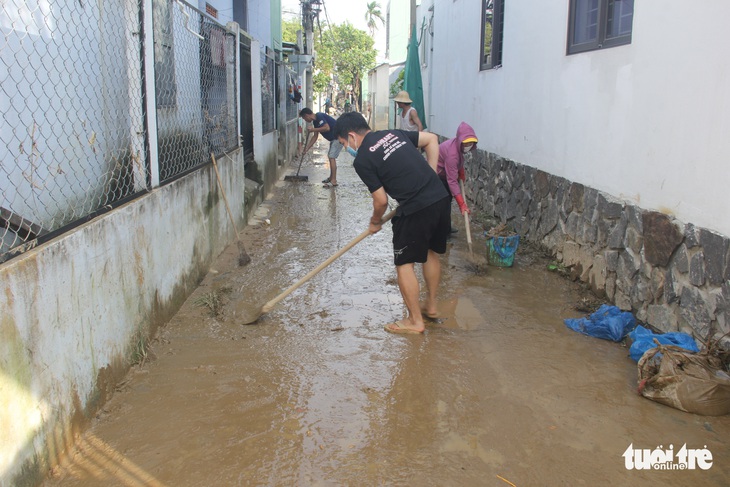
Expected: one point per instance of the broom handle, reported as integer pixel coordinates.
(267, 307)
(466, 218)
(304, 151)
(225, 200)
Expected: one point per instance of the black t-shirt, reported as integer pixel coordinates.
(390, 159)
(321, 119)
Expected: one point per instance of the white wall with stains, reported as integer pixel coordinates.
(647, 122)
(74, 309)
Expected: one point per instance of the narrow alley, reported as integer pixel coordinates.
(318, 394)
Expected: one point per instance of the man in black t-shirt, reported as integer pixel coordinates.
(325, 125)
(390, 164)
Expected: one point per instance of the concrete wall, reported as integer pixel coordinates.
(77, 309)
(645, 122)
(379, 96)
(259, 21)
(265, 145)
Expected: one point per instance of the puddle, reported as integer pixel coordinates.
(318, 394)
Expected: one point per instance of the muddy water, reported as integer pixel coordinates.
(318, 394)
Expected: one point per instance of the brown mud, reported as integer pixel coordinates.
(318, 394)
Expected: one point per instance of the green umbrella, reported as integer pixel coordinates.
(412, 77)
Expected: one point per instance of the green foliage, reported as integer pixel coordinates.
(487, 38)
(345, 51)
(289, 30)
(320, 81)
(140, 348)
(213, 301)
(323, 46)
(372, 15)
(397, 84)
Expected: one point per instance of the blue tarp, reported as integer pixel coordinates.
(608, 322)
(643, 340)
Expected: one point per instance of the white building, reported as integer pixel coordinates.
(618, 102)
(646, 121)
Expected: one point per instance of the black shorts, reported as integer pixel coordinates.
(427, 229)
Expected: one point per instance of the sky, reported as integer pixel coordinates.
(339, 11)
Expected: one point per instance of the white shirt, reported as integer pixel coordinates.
(405, 121)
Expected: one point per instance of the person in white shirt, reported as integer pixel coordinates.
(408, 119)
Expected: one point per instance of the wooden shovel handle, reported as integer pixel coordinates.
(267, 307)
(466, 217)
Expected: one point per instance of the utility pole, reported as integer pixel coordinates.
(310, 11)
(413, 17)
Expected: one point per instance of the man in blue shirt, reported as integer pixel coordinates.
(325, 125)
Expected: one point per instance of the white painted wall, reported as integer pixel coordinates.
(399, 30)
(378, 80)
(647, 122)
(259, 21)
(72, 307)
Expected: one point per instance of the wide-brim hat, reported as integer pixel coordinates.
(403, 97)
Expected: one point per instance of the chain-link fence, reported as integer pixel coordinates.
(293, 94)
(268, 91)
(73, 134)
(195, 82)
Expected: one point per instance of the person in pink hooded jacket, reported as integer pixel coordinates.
(451, 162)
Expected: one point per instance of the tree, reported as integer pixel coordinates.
(320, 82)
(372, 15)
(289, 30)
(347, 52)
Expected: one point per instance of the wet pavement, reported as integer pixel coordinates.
(316, 393)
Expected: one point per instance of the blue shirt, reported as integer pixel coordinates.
(320, 119)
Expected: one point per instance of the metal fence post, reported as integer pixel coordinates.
(150, 93)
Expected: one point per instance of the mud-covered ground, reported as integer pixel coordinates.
(316, 393)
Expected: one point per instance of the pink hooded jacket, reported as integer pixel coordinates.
(451, 159)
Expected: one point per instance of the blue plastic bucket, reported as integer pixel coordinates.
(501, 250)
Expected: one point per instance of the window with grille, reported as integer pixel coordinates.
(598, 24)
(492, 28)
(211, 10)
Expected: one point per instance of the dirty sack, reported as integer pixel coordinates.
(607, 322)
(692, 382)
(643, 339)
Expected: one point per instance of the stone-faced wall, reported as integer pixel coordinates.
(671, 275)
